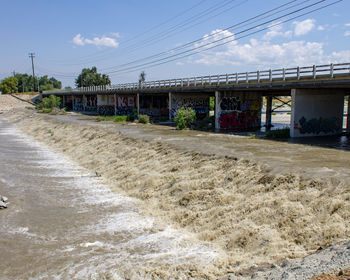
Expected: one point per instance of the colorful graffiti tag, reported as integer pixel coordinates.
(78, 107)
(230, 104)
(239, 120)
(238, 114)
(320, 125)
(105, 110)
(199, 104)
(125, 105)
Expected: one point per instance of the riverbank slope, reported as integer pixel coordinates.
(256, 218)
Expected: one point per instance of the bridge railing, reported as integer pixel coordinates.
(266, 76)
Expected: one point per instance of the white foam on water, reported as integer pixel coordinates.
(138, 239)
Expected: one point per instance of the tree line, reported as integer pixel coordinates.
(24, 82)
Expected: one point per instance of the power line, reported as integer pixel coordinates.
(278, 9)
(232, 27)
(224, 38)
(193, 51)
(151, 28)
(166, 32)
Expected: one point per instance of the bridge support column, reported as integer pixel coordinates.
(64, 101)
(84, 102)
(316, 112)
(73, 102)
(170, 106)
(217, 110)
(138, 104)
(268, 112)
(348, 116)
(115, 104)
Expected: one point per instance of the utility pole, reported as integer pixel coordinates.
(32, 55)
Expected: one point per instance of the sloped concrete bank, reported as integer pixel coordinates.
(255, 218)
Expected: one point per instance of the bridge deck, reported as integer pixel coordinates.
(279, 81)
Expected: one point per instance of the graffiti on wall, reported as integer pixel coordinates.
(320, 125)
(199, 104)
(123, 101)
(105, 110)
(125, 105)
(78, 107)
(239, 120)
(239, 114)
(230, 104)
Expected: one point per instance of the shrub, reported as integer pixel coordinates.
(184, 118)
(48, 103)
(143, 119)
(113, 118)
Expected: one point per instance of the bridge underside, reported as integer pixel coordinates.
(317, 105)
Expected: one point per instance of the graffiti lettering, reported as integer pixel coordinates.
(105, 110)
(123, 102)
(316, 126)
(78, 107)
(239, 120)
(125, 111)
(199, 104)
(230, 104)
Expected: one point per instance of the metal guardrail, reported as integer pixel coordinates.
(267, 76)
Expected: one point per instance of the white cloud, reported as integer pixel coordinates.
(97, 41)
(276, 31)
(303, 27)
(347, 33)
(320, 28)
(347, 24)
(78, 40)
(265, 54)
(340, 57)
(116, 34)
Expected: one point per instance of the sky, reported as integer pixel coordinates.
(170, 39)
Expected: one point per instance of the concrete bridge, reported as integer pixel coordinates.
(317, 98)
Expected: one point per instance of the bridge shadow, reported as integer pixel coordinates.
(339, 142)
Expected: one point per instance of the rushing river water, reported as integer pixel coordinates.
(64, 223)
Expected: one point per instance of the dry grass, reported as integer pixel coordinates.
(233, 204)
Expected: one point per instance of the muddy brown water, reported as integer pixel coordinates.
(316, 157)
(64, 223)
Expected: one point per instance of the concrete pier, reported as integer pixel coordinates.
(316, 112)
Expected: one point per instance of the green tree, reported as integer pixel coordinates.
(9, 85)
(25, 83)
(47, 83)
(89, 77)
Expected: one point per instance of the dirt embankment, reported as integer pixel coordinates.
(9, 101)
(232, 204)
